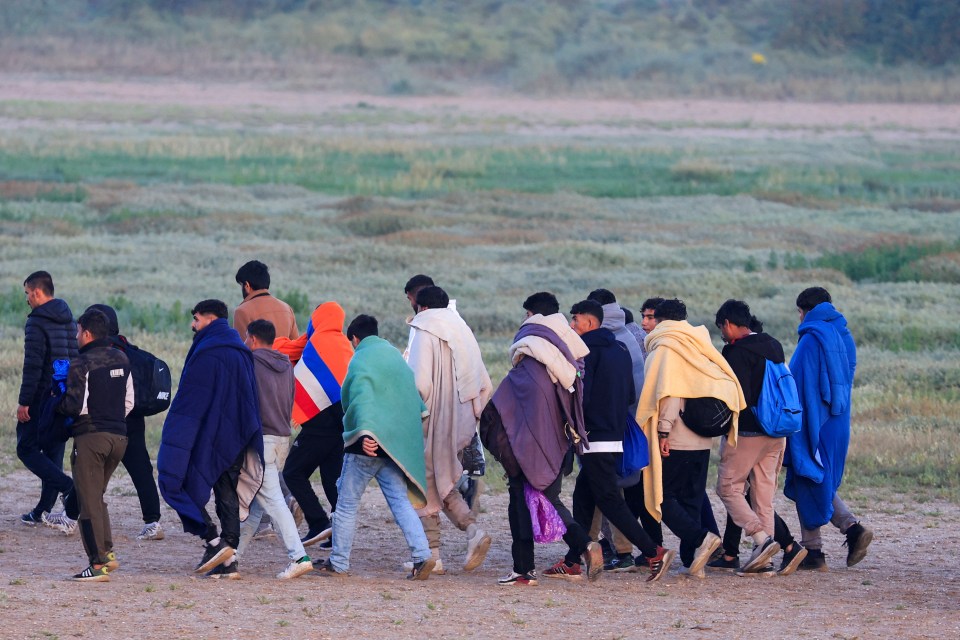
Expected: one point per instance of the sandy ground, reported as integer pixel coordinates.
(907, 587)
(917, 117)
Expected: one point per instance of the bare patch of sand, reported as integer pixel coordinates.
(907, 587)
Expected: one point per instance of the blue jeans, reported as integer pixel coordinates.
(358, 471)
(270, 500)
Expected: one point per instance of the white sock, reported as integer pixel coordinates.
(759, 538)
(214, 542)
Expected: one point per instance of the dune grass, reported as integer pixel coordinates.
(153, 218)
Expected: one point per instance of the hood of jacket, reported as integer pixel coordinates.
(274, 360)
(762, 344)
(328, 316)
(598, 338)
(55, 310)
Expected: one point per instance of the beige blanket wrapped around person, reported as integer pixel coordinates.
(455, 386)
(681, 363)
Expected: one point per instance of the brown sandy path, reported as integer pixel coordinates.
(908, 587)
(482, 104)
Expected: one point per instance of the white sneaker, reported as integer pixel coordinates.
(61, 522)
(296, 569)
(477, 546)
(151, 531)
(438, 569)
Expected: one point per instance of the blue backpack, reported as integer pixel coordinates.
(778, 408)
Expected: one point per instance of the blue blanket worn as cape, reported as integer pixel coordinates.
(213, 418)
(823, 366)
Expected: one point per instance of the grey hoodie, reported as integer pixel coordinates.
(275, 387)
(614, 319)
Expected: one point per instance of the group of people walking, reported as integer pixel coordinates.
(577, 391)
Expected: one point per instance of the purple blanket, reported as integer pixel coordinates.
(534, 411)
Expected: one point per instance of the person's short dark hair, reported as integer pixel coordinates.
(627, 315)
(262, 330)
(210, 307)
(111, 313)
(362, 327)
(433, 298)
(96, 322)
(603, 296)
(588, 307)
(417, 282)
(40, 280)
(542, 302)
(256, 274)
(673, 309)
(809, 298)
(650, 303)
(738, 313)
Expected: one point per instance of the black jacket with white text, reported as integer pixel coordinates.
(99, 390)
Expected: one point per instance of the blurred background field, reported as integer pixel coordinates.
(152, 205)
(881, 50)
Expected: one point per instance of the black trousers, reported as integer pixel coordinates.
(310, 452)
(521, 527)
(136, 461)
(227, 505)
(732, 534)
(684, 490)
(633, 496)
(45, 462)
(597, 488)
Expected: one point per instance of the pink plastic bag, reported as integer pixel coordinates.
(547, 525)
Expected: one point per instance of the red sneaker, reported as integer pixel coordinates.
(659, 563)
(565, 571)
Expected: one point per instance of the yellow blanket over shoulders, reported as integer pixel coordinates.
(681, 363)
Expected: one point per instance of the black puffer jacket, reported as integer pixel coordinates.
(50, 334)
(748, 358)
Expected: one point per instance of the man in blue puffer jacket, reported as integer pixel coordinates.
(211, 433)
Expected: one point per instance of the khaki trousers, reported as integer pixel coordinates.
(756, 459)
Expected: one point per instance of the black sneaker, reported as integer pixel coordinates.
(31, 519)
(621, 564)
(90, 574)
(816, 560)
(792, 559)
(859, 538)
(609, 553)
(326, 545)
(225, 571)
(214, 556)
(722, 563)
(422, 570)
(761, 555)
(327, 569)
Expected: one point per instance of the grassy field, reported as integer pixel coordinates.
(151, 208)
(837, 50)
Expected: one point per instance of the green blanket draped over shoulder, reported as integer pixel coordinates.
(380, 400)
